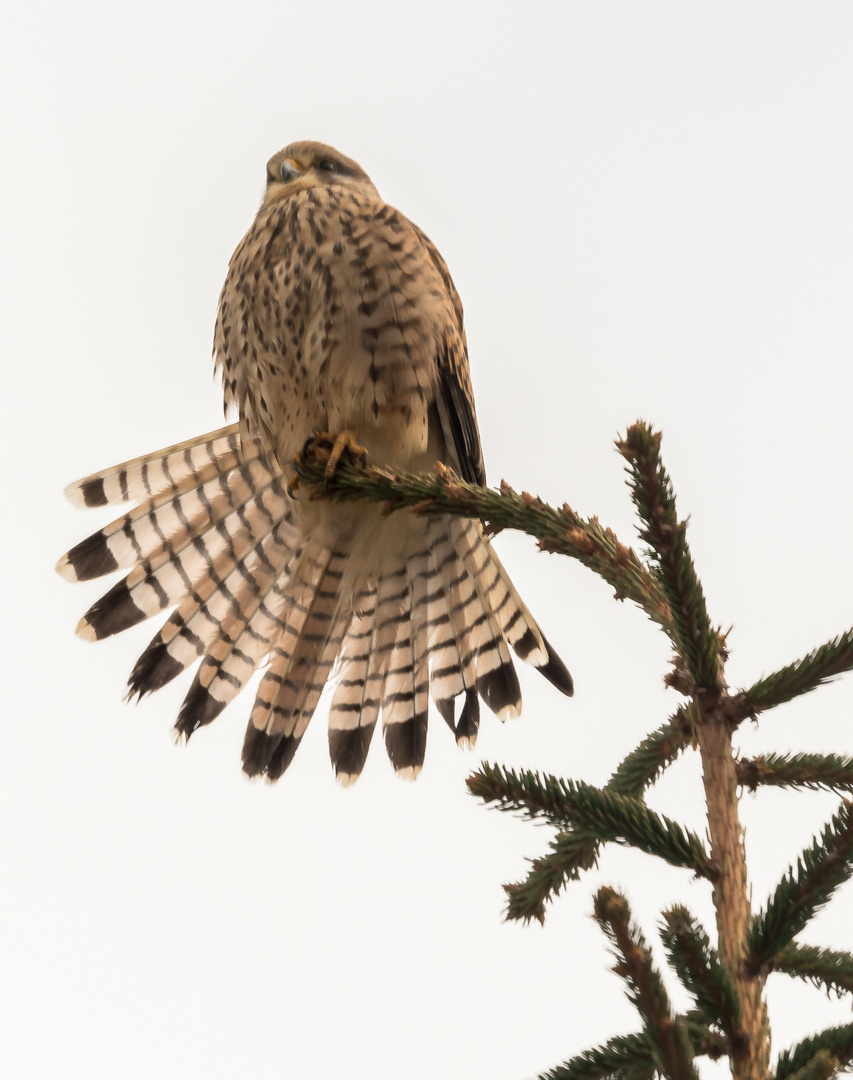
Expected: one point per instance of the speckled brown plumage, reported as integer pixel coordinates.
(337, 313)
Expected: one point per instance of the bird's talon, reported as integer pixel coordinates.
(317, 445)
(328, 450)
(293, 483)
(345, 443)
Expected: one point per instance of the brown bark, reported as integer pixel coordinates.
(731, 896)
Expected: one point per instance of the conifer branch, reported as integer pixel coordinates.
(823, 1065)
(609, 817)
(571, 852)
(642, 767)
(629, 1056)
(705, 1042)
(820, 870)
(828, 969)
(837, 1041)
(727, 982)
(577, 849)
(697, 964)
(666, 1033)
(615, 1055)
(820, 772)
(803, 676)
(442, 492)
(690, 628)
(637, 1071)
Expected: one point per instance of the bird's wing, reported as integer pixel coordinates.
(454, 396)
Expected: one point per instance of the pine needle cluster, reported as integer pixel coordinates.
(725, 973)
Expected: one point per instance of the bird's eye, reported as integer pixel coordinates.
(326, 165)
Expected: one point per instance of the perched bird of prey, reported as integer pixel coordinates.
(338, 315)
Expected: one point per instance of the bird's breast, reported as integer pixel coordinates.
(330, 317)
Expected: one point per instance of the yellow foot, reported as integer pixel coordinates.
(345, 443)
(329, 449)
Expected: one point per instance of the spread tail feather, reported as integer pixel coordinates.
(147, 476)
(214, 536)
(302, 660)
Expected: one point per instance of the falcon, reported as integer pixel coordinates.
(338, 316)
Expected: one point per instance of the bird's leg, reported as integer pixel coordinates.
(327, 449)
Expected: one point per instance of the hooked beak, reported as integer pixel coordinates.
(290, 169)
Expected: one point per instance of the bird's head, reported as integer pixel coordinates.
(305, 165)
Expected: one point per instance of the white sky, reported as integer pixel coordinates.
(647, 212)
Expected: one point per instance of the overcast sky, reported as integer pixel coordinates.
(647, 211)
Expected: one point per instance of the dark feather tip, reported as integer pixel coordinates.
(500, 689)
(93, 493)
(258, 748)
(199, 708)
(348, 749)
(469, 721)
(91, 558)
(154, 668)
(556, 672)
(282, 756)
(447, 711)
(406, 742)
(114, 612)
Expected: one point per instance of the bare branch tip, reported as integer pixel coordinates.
(623, 553)
(380, 475)
(680, 678)
(580, 541)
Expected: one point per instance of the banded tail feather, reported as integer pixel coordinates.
(497, 682)
(464, 616)
(222, 624)
(350, 724)
(406, 730)
(514, 620)
(149, 475)
(131, 537)
(314, 685)
(235, 641)
(302, 661)
(389, 623)
(405, 695)
(214, 536)
(208, 531)
(447, 677)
